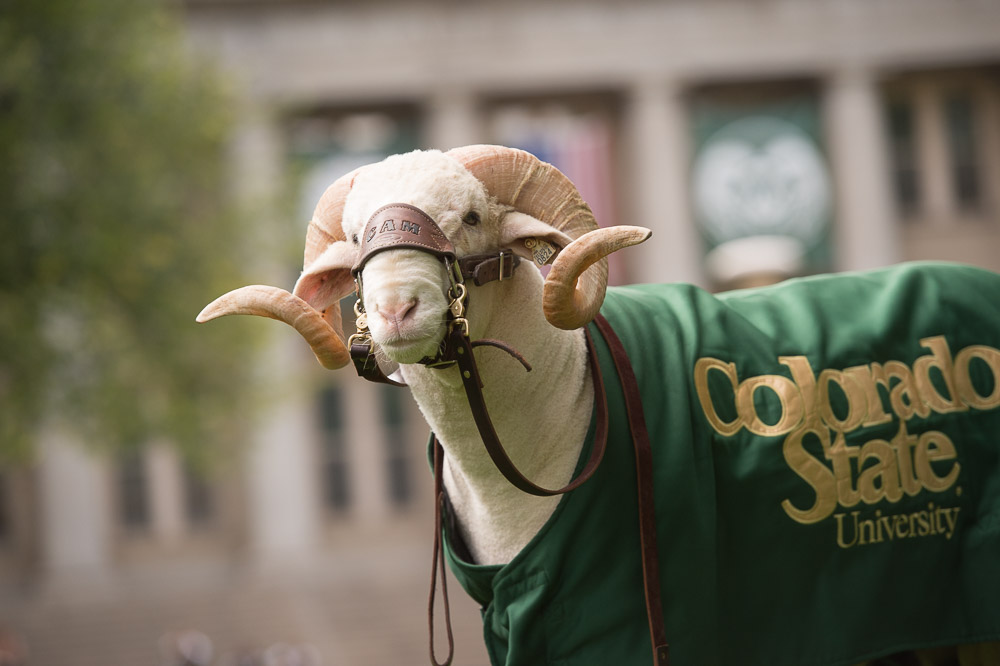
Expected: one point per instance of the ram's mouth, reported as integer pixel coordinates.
(408, 349)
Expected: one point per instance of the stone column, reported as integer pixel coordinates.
(453, 120)
(866, 233)
(656, 138)
(366, 448)
(282, 485)
(282, 503)
(76, 516)
(166, 494)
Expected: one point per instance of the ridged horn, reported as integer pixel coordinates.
(567, 306)
(327, 223)
(519, 179)
(326, 227)
(276, 303)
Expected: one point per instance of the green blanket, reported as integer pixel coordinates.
(827, 471)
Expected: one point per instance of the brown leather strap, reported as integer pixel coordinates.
(367, 366)
(484, 268)
(473, 391)
(644, 482)
(505, 347)
(402, 225)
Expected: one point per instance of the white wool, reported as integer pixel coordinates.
(540, 416)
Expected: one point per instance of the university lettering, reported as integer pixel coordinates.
(854, 530)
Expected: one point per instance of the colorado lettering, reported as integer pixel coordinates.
(804, 397)
(815, 412)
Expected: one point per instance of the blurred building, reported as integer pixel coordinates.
(759, 139)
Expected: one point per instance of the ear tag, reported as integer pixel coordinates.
(541, 250)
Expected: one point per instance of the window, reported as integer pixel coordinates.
(133, 495)
(199, 507)
(961, 133)
(398, 473)
(578, 133)
(5, 526)
(904, 156)
(943, 153)
(336, 480)
(326, 143)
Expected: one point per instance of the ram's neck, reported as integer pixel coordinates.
(541, 417)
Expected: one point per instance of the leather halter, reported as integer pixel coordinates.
(404, 226)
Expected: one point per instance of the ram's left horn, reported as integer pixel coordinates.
(276, 303)
(568, 305)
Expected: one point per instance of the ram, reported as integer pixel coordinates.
(802, 474)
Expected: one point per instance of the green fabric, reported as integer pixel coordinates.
(744, 582)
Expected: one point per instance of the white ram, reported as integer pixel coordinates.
(568, 588)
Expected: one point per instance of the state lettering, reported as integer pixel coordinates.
(869, 473)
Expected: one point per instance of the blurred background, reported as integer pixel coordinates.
(179, 494)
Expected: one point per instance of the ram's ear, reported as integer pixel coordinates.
(328, 279)
(531, 238)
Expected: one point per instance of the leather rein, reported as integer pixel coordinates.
(404, 226)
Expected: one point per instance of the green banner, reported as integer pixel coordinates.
(761, 188)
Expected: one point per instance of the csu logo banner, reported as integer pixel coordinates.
(760, 180)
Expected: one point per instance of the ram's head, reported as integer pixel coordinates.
(483, 198)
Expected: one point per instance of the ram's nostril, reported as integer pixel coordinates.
(407, 310)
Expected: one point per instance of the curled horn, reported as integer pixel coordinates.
(321, 328)
(574, 288)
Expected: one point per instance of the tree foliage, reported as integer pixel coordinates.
(115, 228)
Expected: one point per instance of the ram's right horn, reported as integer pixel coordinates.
(574, 289)
(565, 304)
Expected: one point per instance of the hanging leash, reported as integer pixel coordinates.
(644, 484)
(437, 562)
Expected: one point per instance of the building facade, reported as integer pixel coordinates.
(757, 138)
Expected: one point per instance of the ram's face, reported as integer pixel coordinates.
(405, 291)
(484, 199)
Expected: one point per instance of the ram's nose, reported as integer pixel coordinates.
(397, 313)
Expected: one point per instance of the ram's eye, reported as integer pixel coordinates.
(471, 218)
(354, 238)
